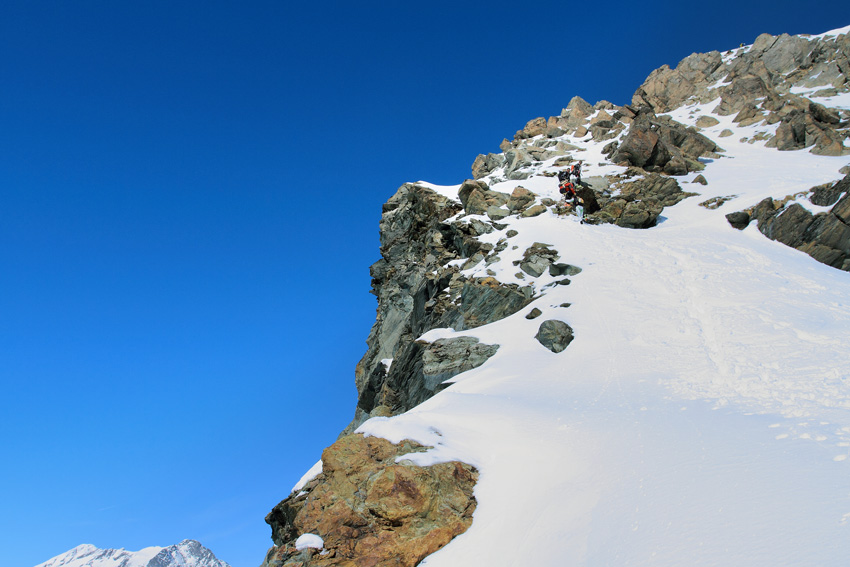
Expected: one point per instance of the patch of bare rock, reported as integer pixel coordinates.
(372, 509)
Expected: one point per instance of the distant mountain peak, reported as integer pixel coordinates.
(187, 553)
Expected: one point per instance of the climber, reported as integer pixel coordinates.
(566, 187)
(576, 171)
(579, 205)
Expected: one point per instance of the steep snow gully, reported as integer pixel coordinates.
(701, 415)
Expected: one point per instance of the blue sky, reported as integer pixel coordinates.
(189, 203)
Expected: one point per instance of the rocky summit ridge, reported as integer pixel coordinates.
(450, 259)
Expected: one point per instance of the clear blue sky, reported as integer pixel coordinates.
(189, 203)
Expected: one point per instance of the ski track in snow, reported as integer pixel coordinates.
(701, 416)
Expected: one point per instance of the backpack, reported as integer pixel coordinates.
(567, 189)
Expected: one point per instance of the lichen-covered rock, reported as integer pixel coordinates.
(371, 509)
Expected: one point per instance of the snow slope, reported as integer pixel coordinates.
(701, 416)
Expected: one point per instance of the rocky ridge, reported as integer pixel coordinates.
(444, 259)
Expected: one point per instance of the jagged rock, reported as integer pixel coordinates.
(476, 197)
(725, 133)
(534, 314)
(486, 164)
(823, 114)
(497, 213)
(446, 358)
(563, 270)
(745, 87)
(554, 335)
(520, 199)
(654, 142)
(417, 292)
(579, 105)
(536, 259)
(786, 53)
(516, 159)
(372, 509)
(667, 88)
(533, 128)
(700, 179)
(824, 236)
(739, 219)
(640, 202)
(827, 195)
(799, 129)
(747, 112)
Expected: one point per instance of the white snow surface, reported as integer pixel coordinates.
(309, 541)
(700, 417)
(314, 471)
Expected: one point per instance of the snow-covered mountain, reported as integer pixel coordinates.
(665, 384)
(187, 553)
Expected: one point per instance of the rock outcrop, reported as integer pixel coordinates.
(662, 144)
(638, 203)
(371, 507)
(754, 84)
(418, 290)
(823, 236)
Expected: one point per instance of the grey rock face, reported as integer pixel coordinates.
(554, 335)
(446, 358)
(824, 236)
(417, 291)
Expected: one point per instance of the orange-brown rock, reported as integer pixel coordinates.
(372, 511)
